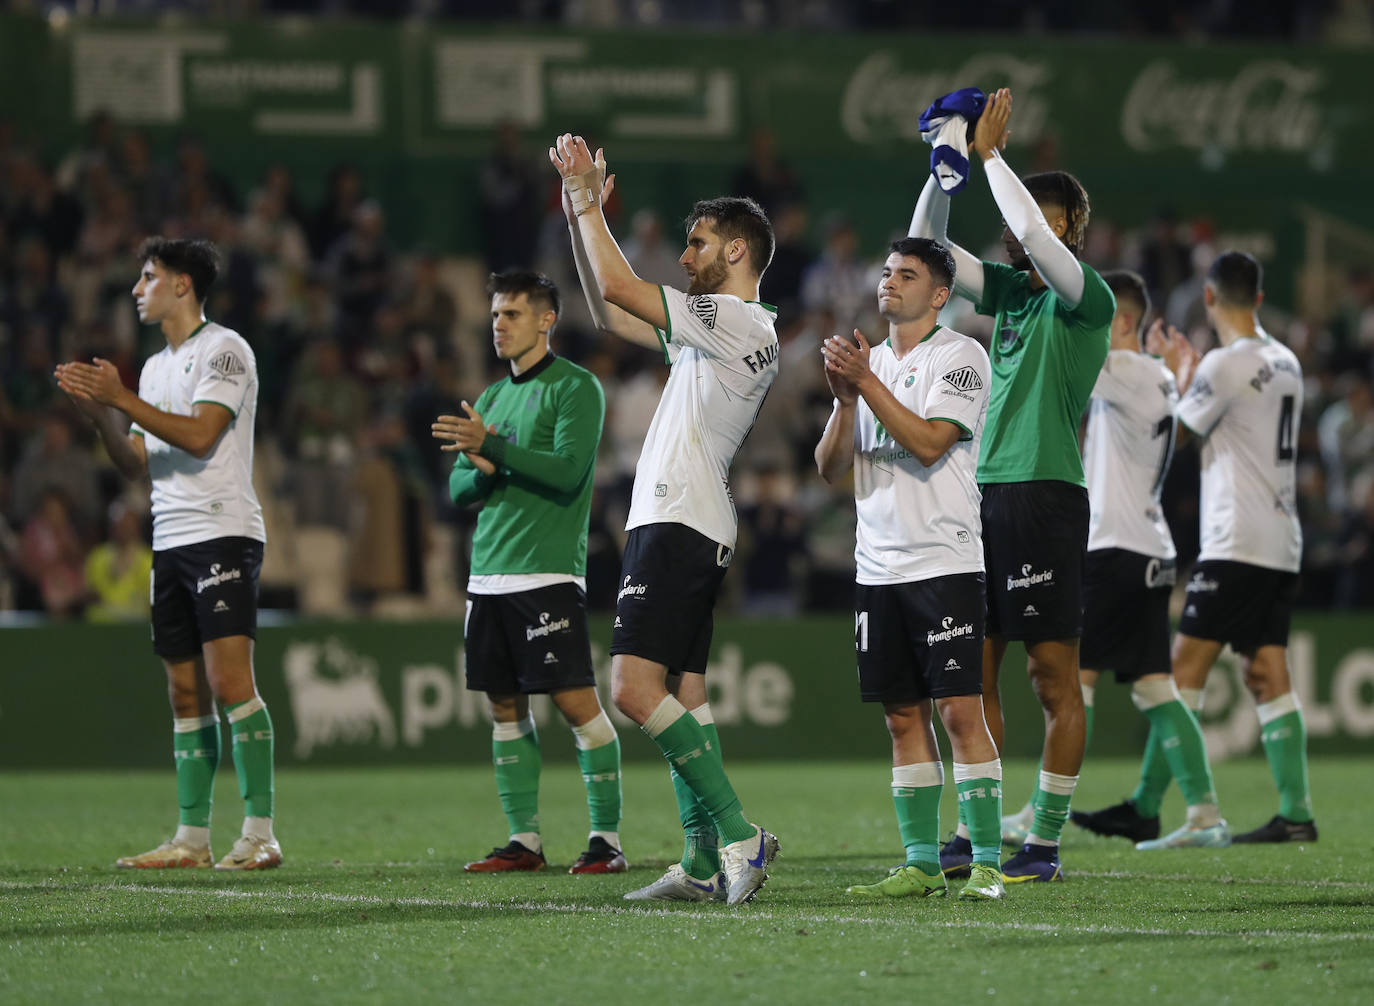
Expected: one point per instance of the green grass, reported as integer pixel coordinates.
(373, 907)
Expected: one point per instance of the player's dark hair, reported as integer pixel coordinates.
(738, 217)
(933, 255)
(194, 257)
(534, 285)
(1237, 279)
(1129, 288)
(1059, 188)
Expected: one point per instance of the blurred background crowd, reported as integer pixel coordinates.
(361, 341)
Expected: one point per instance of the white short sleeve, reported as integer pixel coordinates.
(1208, 396)
(1110, 386)
(960, 390)
(720, 325)
(227, 374)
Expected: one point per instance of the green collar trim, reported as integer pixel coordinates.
(764, 304)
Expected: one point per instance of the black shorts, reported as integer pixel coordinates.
(920, 640)
(1034, 537)
(669, 579)
(529, 642)
(1237, 603)
(1126, 613)
(204, 591)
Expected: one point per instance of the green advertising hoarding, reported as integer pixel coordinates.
(365, 693)
(1244, 134)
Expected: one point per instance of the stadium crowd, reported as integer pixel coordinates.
(361, 343)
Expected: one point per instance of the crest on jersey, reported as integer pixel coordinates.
(910, 380)
(964, 379)
(705, 309)
(228, 365)
(1008, 337)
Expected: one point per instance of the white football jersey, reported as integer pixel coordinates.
(1246, 400)
(724, 356)
(915, 522)
(1126, 454)
(199, 499)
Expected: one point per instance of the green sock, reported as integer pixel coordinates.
(916, 790)
(601, 775)
(196, 749)
(980, 802)
(1179, 739)
(1284, 734)
(700, 843)
(251, 729)
(515, 753)
(687, 746)
(1051, 808)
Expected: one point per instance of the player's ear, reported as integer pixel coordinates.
(941, 298)
(736, 252)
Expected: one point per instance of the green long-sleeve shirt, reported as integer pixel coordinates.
(534, 518)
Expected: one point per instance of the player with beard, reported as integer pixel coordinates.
(721, 344)
(1050, 340)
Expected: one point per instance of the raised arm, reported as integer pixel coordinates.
(616, 282)
(1054, 262)
(931, 220)
(607, 317)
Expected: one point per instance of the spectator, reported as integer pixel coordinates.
(359, 267)
(326, 412)
(53, 462)
(792, 256)
(119, 571)
(52, 557)
(334, 218)
(511, 203)
(1346, 435)
(765, 177)
(648, 254)
(838, 281)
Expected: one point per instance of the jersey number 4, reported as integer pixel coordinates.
(1286, 429)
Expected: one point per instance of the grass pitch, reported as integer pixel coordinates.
(372, 905)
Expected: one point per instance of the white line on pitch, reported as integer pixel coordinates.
(748, 915)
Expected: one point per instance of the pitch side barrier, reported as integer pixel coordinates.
(370, 693)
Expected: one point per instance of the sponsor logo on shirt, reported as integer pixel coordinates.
(760, 360)
(227, 364)
(1200, 388)
(547, 626)
(965, 379)
(953, 665)
(1199, 584)
(961, 537)
(217, 576)
(629, 589)
(705, 310)
(948, 631)
(661, 490)
(1028, 578)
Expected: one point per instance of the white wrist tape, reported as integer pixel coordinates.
(584, 190)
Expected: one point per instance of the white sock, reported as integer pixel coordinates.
(611, 838)
(961, 831)
(530, 840)
(189, 834)
(1203, 815)
(258, 827)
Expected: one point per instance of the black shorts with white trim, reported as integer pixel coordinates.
(920, 640)
(529, 642)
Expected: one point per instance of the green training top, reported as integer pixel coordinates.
(1045, 361)
(534, 519)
